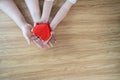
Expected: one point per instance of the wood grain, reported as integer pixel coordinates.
(88, 45)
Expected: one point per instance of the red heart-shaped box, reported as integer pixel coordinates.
(42, 30)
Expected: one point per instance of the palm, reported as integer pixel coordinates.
(28, 35)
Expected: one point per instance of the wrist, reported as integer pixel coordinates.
(52, 27)
(21, 22)
(49, 0)
(43, 20)
(36, 20)
(25, 26)
(73, 1)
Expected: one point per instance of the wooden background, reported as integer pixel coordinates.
(88, 45)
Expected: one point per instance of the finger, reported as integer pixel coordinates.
(35, 24)
(38, 43)
(27, 39)
(33, 37)
(30, 26)
(45, 42)
(50, 44)
(54, 39)
(32, 30)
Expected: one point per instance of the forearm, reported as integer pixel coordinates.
(46, 10)
(9, 7)
(33, 6)
(61, 13)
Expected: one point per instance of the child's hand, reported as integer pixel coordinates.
(28, 35)
(50, 43)
(52, 40)
(26, 30)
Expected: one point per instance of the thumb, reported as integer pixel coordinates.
(27, 39)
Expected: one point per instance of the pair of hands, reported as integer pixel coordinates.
(30, 37)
